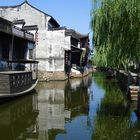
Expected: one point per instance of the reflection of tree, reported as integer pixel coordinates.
(18, 118)
(77, 99)
(113, 104)
(111, 128)
(135, 124)
(112, 120)
(102, 82)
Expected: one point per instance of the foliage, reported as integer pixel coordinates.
(111, 128)
(113, 116)
(115, 25)
(114, 102)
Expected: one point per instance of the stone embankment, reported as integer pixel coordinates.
(51, 76)
(127, 79)
(60, 75)
(130, 82)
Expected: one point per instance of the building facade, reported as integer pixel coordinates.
(15, 44)
(52, 41)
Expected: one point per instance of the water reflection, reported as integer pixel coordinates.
(92, 108)
(113, 120)
(51, 107)
(77, 96)
(45, 116)
(59, 103)
(18, 119)
(135, 121)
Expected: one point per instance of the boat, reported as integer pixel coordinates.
(18, 65)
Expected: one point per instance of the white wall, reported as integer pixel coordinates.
(55, 49)
(51, 44)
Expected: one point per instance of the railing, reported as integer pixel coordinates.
(15, 81)
(20, 81)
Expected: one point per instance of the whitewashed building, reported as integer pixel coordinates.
(51, 39)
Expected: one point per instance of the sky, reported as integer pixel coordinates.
(73, 14)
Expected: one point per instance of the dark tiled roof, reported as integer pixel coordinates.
(14, 6)
(7, 28)
(5, 21)
(22, 61)
(31, 27)
(59, 28)
(75, 34)
(20, 21)
(54, 22)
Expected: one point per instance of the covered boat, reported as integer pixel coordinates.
(18, 65)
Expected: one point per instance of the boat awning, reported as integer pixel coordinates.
(22, 61)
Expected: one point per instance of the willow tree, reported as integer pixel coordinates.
(116, 29)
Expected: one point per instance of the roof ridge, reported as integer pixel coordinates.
(26, 1)
(40, 10)
(75, 34)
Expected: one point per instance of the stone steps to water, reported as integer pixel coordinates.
(134, 97)
(134, 91)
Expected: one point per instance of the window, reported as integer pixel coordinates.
(50, 62)
(50, 26)
(50, 49)
(2, 13)
(30, 53)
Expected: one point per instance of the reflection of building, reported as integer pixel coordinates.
(18, 119)
(58, 102)
(77, 96)
(51, 106)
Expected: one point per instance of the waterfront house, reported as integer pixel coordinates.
(52, 41)
(18, 67)
(79, 49)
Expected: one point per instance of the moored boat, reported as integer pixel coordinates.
(18, 65)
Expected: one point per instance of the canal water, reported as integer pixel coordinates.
(92, 108)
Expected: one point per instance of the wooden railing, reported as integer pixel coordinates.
(20, 81)
(15, 81)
